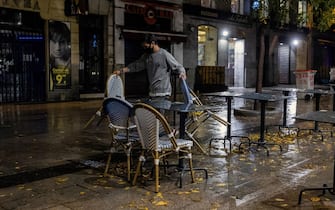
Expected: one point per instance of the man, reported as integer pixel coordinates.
(158, 62)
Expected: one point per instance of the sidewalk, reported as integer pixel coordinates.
(47, 161)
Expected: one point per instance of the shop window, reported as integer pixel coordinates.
(208, 3)
(207, 45)
(241, 7)
(302, 11)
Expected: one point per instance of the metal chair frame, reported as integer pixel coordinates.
(196, 119)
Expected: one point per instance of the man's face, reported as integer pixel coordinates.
(148, 47)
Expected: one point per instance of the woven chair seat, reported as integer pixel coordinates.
(166, 144)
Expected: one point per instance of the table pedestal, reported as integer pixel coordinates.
(324, 188)
(261, 142)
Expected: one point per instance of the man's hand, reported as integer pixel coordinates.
(117, 72)
(120, 71)
(182, 76)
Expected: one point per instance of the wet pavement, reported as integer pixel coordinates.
(48, 161)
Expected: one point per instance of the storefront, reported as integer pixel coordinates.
(53, 50)
(135, 19)
(220, 39)
(91, 48)
(324, 56)
(22, 57)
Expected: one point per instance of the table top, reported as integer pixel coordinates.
(180, 106)
(223, 94)
(262, 96)
(315, 91)
(319, 116)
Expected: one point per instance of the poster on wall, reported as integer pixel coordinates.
(60, 55)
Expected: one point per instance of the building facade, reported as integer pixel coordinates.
(216, 41)
(53, 50)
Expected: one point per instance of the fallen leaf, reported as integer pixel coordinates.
(121, 182)
(62, 179)
(161, 203)
(183, 193)
(20, 187)
(315, 199)
(221, 185)
(159, 195)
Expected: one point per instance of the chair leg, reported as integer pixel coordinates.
(98, 113)
(156, 162)
(138, 168)
(191, 166)
(108, 164)
(128, 166)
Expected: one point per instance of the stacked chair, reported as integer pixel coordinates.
(118, 113)
(196, 119)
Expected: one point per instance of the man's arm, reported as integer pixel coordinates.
(138, 65)
(175, 65)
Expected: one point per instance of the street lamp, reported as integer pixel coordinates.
(294, 42)
(225, 33)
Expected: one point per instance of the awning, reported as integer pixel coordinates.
(161, 36)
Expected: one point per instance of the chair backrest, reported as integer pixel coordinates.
(114, 87)
(187, 97)
(118, 112)
(150, 125)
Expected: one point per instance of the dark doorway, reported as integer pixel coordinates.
(91, 74)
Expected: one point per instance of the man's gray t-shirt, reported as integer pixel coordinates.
(159, 66)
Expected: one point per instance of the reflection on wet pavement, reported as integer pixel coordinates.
(40, 141)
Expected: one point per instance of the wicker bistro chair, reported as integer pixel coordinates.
(119, 115)
(158, 138)
(114, 89)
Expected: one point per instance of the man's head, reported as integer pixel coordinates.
(150, 43)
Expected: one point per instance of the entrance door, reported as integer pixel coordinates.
(91, 74)
(283, 64)
(287, 63)
(239, 64)
(235, 71)
(207, 45)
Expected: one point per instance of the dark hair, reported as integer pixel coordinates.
(148, 38)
